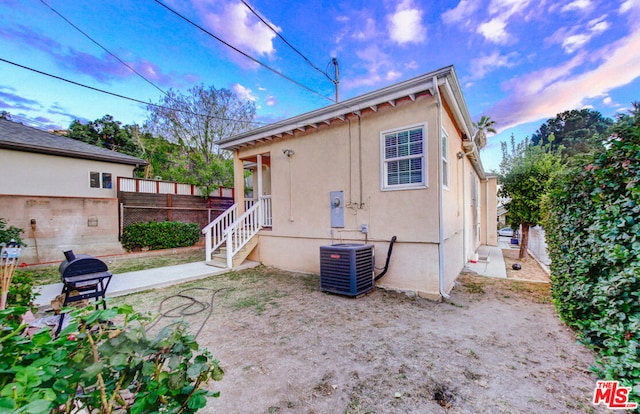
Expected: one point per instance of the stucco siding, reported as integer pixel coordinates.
(34, 174)
(85, 225)
(337, 158)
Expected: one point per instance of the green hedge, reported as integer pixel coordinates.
(160, 235)
(593, 233)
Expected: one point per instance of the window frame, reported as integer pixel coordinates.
(384, 161)
(100, 180)
(446, 172)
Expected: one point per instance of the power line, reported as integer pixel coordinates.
(124, 97)
(103, 48)
(282, 75)
(284, 40)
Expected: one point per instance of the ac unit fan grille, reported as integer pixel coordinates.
(346, 269)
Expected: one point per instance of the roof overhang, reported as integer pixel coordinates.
(370, 101)
(447, 82)
(117, 158)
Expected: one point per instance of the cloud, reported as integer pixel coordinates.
(577, 5)
(630, 6)
(368, 32)
(271, 100)
(501, 12)
(488, 63)
(237, 25)
(103, 67)
(244, 93)
(10, 100)
(545, 93)
(375, 61)
(494, 31)
(405, 24)
(462, 13)
(576, 37)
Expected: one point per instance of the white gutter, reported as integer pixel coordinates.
(436, 93)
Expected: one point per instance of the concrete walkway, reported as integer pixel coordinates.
(490, 262)
(126, 283)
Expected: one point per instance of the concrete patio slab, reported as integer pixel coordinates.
(138, 281)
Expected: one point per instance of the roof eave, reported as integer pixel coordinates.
(16, 146)
(389, 94)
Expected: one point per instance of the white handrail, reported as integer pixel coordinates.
(215, 231)
(266, 210)
(236, 232)
(242, 230)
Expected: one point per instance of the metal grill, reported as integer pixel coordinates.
(83, 277)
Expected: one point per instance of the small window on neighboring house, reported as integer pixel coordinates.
(445, 159)
(403, 157)
(94, 179)
(100, 180)
(106, 180)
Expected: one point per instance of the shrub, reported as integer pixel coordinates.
(21, 289)
(11, 232)
(160, 235)
(103, 367)
(593, 232)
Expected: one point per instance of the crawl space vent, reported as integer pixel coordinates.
(347, 269)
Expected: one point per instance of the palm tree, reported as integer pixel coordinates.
(484, 126)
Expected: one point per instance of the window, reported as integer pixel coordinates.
(445, 159)
(100, 180)
(403, 155)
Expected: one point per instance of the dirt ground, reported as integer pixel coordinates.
(530, 269)
(496, 346)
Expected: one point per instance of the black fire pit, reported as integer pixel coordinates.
(83, 277)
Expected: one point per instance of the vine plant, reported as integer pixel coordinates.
(103, 367)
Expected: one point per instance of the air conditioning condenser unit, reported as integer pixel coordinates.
(347, 269)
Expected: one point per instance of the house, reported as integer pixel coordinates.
(400, 161)
(61, 192)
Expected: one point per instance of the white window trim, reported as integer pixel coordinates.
(445, 160)
(100, 180)
(383, 164)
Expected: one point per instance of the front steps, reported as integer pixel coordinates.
(220, 256)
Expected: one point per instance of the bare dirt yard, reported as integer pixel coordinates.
(496, 346)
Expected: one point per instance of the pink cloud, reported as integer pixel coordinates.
(547, 92)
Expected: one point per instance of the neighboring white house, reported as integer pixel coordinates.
(60, 191)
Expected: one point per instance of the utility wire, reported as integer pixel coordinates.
(125, 97)
(285, 40)
(103, 48)
(241, 52)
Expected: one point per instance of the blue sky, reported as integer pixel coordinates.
(519, 61)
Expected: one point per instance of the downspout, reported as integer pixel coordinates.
(443, 293)
(465, 234)
(486, 211)
(464, 210)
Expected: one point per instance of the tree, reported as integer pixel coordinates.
(196, 122)
(484, 125)
(525, 178)
(579, 131)
(106, 133)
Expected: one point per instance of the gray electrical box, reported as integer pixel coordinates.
(337, 208)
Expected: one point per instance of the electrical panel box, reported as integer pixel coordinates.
(337, 208)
